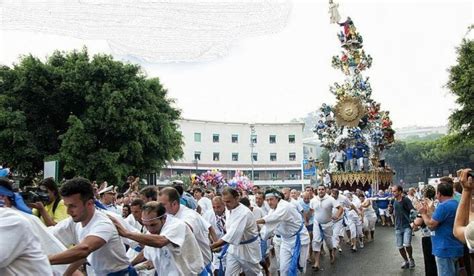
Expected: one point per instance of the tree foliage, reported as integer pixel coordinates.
(101, 118)
(461, 84)
(446, 153)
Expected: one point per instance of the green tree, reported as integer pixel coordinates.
(461, 84)
(101, 118)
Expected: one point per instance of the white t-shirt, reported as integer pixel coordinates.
(205, 204)
(323, 208)
(107, 259)
(20, 249)
(135, 224)
(200, 229)
(339, 156)
(181, 257)
(241, 226)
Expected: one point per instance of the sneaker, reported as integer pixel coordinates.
(339, 249)
(405, 265)
(361, 244)
(412, 263)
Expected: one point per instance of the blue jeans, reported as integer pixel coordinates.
(447, 266)
(403, 237)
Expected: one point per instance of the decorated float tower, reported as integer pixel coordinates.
(355, 130)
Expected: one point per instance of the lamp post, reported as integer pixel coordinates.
(195, 161)
(252, 145)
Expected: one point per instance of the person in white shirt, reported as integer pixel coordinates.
(355, 224)
(294, 235)
(203, 202)
(217, 218)
(201, 229)
(261, 203)
(345, 203)
(370, 218)
(170, 244)
(241, 240)
(92, 232)
(135, 217)
(321, 206)
(135, 220)
(107, 198)
(21, 252)
(340, 157)
(264, 243)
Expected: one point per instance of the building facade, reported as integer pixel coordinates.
(271, 152)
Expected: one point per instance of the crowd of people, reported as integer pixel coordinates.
(86, 228)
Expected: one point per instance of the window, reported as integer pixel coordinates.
(253, 139)
(235, 156)
(215, 138)
(254, 157)
(273, 156)
(292, 156)
(273, 139)
(293, 175)
(197, 137)
(235, 138)
(291, 139)
(197, 155)
(256, 175)
(273, 175)
(215, 156)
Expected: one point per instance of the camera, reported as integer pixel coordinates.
(34, 194)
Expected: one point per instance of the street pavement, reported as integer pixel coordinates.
(379, 257)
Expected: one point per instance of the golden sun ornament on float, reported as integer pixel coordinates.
(348, 111)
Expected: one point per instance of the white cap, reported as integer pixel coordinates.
(106, 190)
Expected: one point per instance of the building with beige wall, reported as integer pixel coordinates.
(272, 151)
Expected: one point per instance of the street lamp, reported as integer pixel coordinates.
(252, 145)
(195, 162)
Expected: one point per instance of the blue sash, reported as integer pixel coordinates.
(295, 257)
(206, 271)
(99, 205)
(263, 248)
(220, 257)
(321, 232)
(224, 251)
(130, 271)
(138, 249)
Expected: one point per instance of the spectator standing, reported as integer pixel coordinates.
(446, 248)
(402, 207)
(428, 257)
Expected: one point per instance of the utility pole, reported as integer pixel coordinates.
(252, 145)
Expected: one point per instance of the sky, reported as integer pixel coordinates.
(283, 75)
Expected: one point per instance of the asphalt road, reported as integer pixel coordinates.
(380, 257)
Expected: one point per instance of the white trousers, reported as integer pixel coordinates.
(235, 265)
(318, 237)
(369, 223)
(338, 231)
(286, 252)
